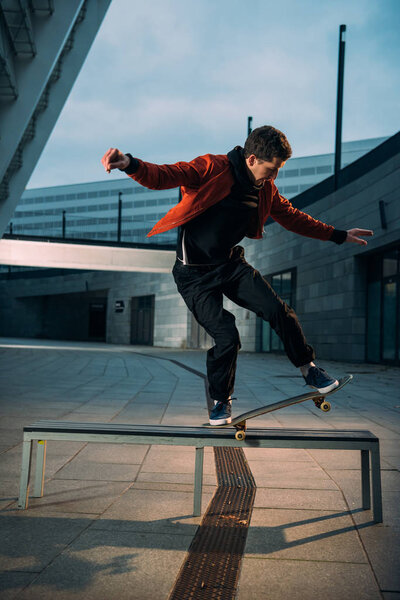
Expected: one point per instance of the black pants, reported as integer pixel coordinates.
(202, 289)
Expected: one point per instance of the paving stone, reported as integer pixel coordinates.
(277, 454)
(167, 461)
(77, 496)
(307, 469)
(295, 482)
(153, 510)
(112, 564)
(12, 582)
(393, 461)
(300, 499)
(390, 479)
(91, 471)
(300, 534)
(179, 478)
(30, 542)
(337, 459)
(165, 486)
(113, 453)
(382, 544)
(300, 579)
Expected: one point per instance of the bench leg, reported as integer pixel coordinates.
(365, 480)
(376, 484)
(198, 481)
(25, 472)
(40, 468)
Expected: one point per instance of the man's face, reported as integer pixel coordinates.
(262, 170)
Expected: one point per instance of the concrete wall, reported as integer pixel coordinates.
(58, 306)
(331, 279)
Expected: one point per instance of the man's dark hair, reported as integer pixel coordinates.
(267, 143)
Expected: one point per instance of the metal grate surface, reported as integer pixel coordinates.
(211, 569)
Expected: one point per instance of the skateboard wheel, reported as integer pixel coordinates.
(325, 406)
(240, 435)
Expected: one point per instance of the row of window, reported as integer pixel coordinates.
(292, 189)
(133, 235)
(96, 207)
(83, 195)
(306, 171)
(150, 219)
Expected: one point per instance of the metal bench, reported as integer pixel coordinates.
(200, 437)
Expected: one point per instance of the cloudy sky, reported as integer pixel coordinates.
(172, 79)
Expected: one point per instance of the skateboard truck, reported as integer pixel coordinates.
(240, 431)
(321, 403)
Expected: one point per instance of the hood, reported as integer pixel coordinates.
(238, 166)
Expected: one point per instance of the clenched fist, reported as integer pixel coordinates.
(115, 159)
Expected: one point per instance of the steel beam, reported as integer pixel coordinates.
(52, 35)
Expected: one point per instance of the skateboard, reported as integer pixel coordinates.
(319, 399)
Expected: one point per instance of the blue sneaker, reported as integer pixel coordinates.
(221, 414)
(320, 380)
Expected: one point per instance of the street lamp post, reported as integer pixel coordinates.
(339, 104)
(119, 216)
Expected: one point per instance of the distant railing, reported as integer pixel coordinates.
(129, 229)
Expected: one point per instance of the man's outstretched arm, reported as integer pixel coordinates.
(297, 221)
(162, 177)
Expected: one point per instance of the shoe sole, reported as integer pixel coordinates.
(220, 421)
(328, 388)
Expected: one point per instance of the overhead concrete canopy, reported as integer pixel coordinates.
(50, 254)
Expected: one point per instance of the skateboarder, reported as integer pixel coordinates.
(224, 199)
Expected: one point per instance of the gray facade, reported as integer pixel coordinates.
(330, 283)
(331, 288)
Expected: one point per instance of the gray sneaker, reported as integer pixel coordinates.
(221, 414)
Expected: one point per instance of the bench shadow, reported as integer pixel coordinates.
(81, 549)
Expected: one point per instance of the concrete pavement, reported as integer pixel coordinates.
(115, 521)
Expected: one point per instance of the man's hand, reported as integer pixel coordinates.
(353, 235)
(114, 159)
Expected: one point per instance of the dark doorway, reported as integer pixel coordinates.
(142, 320)
(383, 307)
(284, 284)
(97, 321)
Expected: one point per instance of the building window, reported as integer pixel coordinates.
(383, 302)
(284, 284)
(292, 173)
(291, 189)
(325, 169)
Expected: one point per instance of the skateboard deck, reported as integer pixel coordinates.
(239, 422)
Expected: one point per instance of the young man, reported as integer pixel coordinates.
(224, 199)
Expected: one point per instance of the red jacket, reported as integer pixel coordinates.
(206, 180)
